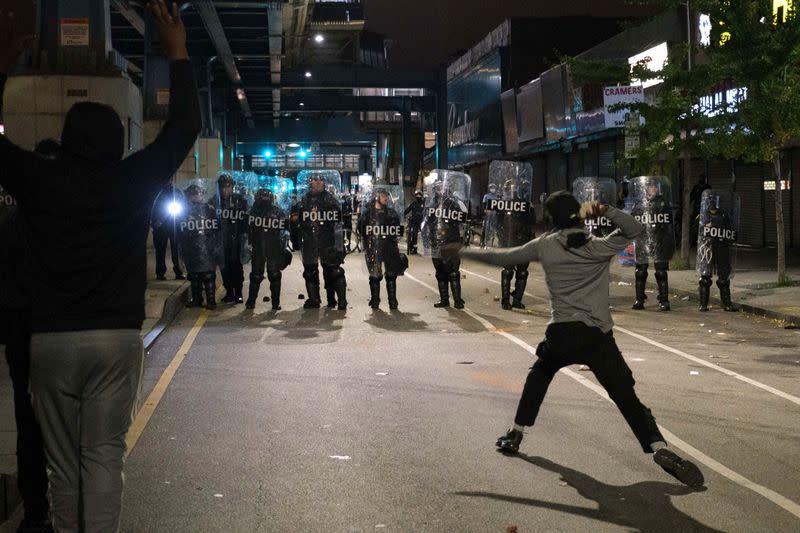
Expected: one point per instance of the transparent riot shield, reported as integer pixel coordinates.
(199, 228)
(593, 189)
(232, 210)
(718, 231)
(268, 224)
(446, 216)
(8, 206)
(652, 206)
(380, 227)
(319, 216)
(509, 217)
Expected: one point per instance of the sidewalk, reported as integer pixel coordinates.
(752, 287)
(163, 301)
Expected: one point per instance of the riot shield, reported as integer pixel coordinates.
(380, 227)
(232, 209)
(319, 215)
(593, 189)
(8, 206)
(446, 215)
(268, 224)
(508, 213)
(718, 230)
(199, 228)
(652, 206)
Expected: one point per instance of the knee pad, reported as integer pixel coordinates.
(273, 276)
(705, 281)
(310, 273)
(256, 278)
(508, 271)
(641, 271)
(661, 275)
(721, 283)
(377, 278)
(522, 274)
(661, 265)
(442, 275)
(454, 275)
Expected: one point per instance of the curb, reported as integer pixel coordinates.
(791, 320)
(172, 306)
(9, 495)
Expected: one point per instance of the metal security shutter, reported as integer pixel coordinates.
(749, 185)
(556, 171)
(575, 166)
(719, 174)
(607, 156)
(590, 163)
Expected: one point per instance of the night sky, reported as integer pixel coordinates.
(424, 33)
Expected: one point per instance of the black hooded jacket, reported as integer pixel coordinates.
(83, 218)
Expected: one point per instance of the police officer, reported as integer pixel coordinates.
(380, 230)
(200, 246)
(416, 209)
(232, 213)
(168, 205)
(717, 231)
(443, 230)
(268, 236)
(653, 208)
(319, 214)
(516, 227)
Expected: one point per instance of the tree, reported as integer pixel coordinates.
(756, 45)
(675, 124)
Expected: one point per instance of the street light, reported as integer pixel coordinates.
(308, 74)
(267, 154)
(318, 38)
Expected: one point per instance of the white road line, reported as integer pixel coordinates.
(721, 369)
(776, 498)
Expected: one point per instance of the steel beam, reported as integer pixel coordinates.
(130, 14)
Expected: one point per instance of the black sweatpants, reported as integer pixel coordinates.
(571, 343)
(31, 462)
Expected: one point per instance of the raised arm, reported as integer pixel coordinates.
(159, 161)
(628, 228)
(505, 256)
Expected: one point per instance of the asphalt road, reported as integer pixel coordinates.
(329, 421)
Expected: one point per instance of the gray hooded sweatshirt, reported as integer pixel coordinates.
(577, 278)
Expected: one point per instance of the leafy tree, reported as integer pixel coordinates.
(756, 45)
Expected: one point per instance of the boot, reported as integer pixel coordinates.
(455, 288)
(641, 281)
(237, 295)
(210, 286)
(275, 291)
(444, 295)
(663, 289)
(391, 292)
(252, 294)
(340, 286)
(519, 289)
(374, 292)
(312, 289)
(505, 288)
(197, 293)
(331, 294)
(704, 291)
(725, 295)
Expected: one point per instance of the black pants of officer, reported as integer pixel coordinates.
(347, 228)
(161, 236)
(233, 276)
(662, 281)
(448, 272)
(203, 282)
(31, 461)
(571, 343)
(506, 277)
(721, 264)
(335, 284)
(274, 275)
(411, 239)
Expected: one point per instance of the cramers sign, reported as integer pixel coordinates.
(621, 94)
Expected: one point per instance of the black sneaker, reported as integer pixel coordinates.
(509, 443)
(684, 471)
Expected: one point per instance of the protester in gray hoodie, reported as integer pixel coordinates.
(576, 267)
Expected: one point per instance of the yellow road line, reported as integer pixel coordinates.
(149, 406)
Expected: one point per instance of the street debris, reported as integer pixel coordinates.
(694, 373)
(623, 284)
(340, 457)
(218, 495)
(381, 373)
